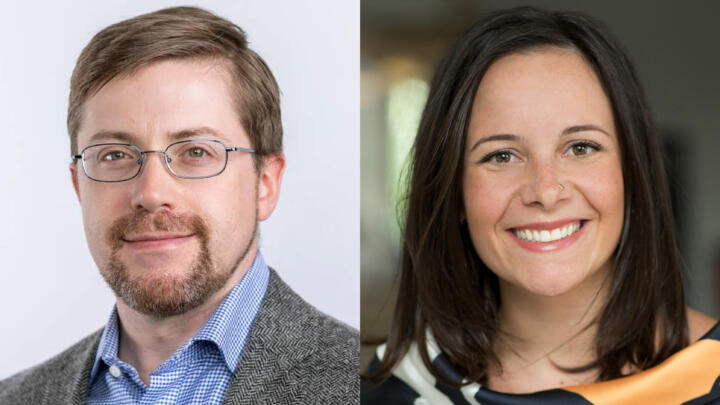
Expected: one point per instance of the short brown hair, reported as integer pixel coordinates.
(181, 32)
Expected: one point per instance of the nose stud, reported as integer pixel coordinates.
(561, 186)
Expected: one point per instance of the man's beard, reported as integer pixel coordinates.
(169, 295)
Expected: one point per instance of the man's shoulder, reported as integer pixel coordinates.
(330, 341)
(330, 372)
(302, 322)
(55, 380)
(298, 350)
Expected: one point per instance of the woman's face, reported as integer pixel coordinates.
(542, 183)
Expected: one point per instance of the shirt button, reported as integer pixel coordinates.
(115, 371)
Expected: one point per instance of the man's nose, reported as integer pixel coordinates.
(154, 185)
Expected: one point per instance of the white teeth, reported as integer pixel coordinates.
(555, 235)
(547, 235)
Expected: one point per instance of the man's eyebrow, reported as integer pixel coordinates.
(127, 137)
(119, 136)
(510, 137)
(195, 132)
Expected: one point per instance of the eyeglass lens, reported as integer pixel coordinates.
(186, 159)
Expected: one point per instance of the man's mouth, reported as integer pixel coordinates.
(156, 242)
(142, 232)
(154, 237)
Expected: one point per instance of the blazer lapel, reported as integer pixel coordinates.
(277, 342)
(69, 377)
(81, 385)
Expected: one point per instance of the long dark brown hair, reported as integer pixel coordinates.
(446, 289)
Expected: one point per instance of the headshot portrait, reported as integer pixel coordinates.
(552, 238)
(182, 209)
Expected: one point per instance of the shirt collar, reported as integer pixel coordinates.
(228, 326)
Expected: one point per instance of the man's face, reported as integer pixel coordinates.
(162, 243)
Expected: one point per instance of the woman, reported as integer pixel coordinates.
(539, 258)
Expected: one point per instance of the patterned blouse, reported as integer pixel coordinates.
(689, 377)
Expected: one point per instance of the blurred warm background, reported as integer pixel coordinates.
(674, 47)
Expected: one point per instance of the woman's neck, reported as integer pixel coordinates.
(541, 335)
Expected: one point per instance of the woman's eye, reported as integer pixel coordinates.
(502, 157)
(583, 148)
(579, 149)
(499, 157)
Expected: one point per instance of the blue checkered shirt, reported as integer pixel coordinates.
(200, 371)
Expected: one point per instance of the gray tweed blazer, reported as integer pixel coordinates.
(294, 355)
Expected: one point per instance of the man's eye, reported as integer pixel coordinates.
(116, 155)
(196, 152)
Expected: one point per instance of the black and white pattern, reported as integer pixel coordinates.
(412, 384)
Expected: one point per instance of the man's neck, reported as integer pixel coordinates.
(146, 342)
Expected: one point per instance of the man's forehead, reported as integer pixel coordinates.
(169, 100)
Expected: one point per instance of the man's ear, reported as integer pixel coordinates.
(271, 173)
(74, 179)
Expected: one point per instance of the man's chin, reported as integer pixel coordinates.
(160, 297)
(164, 291)
(159, 275)
(159, 262)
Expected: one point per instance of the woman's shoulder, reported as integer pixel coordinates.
(411, 382)
(397, 389)
(699, 324)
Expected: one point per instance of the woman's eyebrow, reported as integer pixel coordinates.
(496, 137)
(581, 128)
(510, 137)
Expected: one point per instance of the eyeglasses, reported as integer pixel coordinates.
(191, 159)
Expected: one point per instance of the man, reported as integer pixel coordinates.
(176, 142)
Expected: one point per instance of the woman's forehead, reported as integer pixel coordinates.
(547, 89)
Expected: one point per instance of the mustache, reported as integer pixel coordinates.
(164, 221)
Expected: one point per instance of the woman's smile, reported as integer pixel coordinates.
(548, 236)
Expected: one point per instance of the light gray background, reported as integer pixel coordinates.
(51, 293)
